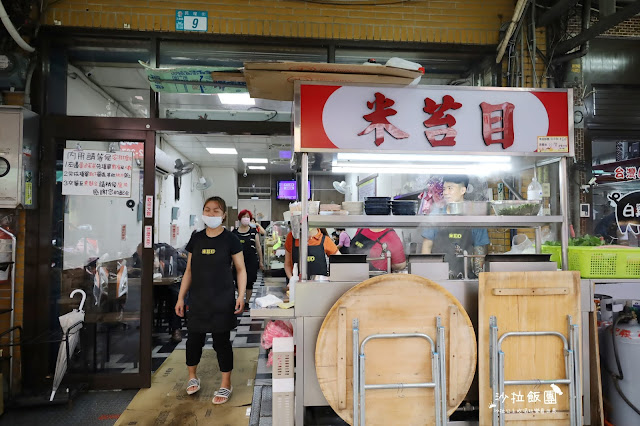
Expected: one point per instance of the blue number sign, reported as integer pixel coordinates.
(191, 20)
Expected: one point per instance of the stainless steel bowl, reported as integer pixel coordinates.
(469, 208)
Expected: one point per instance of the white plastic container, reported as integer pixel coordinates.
(404, 64)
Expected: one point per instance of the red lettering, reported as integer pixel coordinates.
(505, 116)
(378, 119)
(438, 118)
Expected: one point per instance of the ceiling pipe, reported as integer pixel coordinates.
(12, 30)
(599, 27)
(584, 47)
(556, 11)
(517, 15)
(99, 90)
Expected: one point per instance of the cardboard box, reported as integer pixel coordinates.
(274, 80)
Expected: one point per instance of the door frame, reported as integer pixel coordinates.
(56, 129)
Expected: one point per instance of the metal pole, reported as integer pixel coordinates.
(564, 207)
(355, 380)
(361, 393)
(493, 362)
(501, 387)
(577, 375)
(538, 239)
(435, 368)
(443, 373)
(304, 227)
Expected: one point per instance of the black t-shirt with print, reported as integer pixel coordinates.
(212, 292)
(248, 240)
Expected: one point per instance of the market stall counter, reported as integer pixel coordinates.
(314, 300)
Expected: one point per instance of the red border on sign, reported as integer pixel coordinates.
(312, 101)
(557, 111)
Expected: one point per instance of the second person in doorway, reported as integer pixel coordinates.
(251, 250)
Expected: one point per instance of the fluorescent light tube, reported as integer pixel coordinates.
(424, 168)
(231, 151)
(257, 167)
(242, 98)
(256, 160)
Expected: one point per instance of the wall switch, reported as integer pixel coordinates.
(585, 210)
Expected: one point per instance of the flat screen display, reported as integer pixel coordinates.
(288, 190)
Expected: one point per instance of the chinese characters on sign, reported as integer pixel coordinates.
(97, 173)
(440, 126)
(547, 397)
(627, 173)
(378, 118)
(627, 211)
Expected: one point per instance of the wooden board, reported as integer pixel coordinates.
(527, 358)
(395, 303)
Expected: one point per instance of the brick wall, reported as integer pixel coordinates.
(454, 21)
(628, 28)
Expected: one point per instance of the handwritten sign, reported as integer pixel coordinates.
(97, 173)
(148, 206)
(148, 236)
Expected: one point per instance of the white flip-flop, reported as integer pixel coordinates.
(193, 382)
(222, 393)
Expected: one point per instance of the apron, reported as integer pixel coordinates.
(316, 260)
(363, 245)
(452, 242)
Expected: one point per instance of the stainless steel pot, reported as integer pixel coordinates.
(469, 208)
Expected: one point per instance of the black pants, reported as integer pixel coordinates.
(221, 344)
(169, 294)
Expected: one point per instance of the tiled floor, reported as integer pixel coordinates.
(103, 408)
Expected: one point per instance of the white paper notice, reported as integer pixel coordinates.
(148, 236)
(553, 144)
(97, 173)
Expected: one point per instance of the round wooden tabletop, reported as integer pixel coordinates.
(395, 303)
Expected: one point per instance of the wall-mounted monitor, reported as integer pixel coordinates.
(288, 190)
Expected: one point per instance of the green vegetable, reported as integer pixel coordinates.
(584, 241)
(522, 210)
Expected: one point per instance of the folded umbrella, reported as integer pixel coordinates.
(71, 324)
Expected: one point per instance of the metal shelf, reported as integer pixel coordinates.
(331, 221)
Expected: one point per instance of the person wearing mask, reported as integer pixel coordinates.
(214, 306)
(344, 241)
(370, 241)
(251, 250)
(453, 241)
(256, 225)
(318, 246)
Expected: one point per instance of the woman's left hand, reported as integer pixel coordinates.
(239, 305)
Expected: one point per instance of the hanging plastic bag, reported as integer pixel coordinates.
(273, 329)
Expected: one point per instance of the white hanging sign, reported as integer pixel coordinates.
(97, 173)
(432, 119)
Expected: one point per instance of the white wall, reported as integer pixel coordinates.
(190, 203)
(83, 100)
(225, 184)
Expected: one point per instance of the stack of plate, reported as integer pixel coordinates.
(377, 205)
(353, 207)
(404, 207)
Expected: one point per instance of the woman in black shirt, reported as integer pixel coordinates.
(248, 236)
(213, 305)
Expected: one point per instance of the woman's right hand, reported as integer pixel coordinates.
(180, 308)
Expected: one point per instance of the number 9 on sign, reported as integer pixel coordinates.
(193, 23)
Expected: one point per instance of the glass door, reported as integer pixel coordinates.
(98, 223)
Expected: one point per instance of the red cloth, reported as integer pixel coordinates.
(394, 244)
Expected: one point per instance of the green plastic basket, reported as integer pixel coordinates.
(595, 262)
(556, 253)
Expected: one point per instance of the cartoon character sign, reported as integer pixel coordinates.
(627, 211)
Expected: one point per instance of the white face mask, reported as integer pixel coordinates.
(253, 225)
(212, 221)
(245, 221)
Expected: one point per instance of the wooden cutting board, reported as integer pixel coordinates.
(395, 303)
(527, 301)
